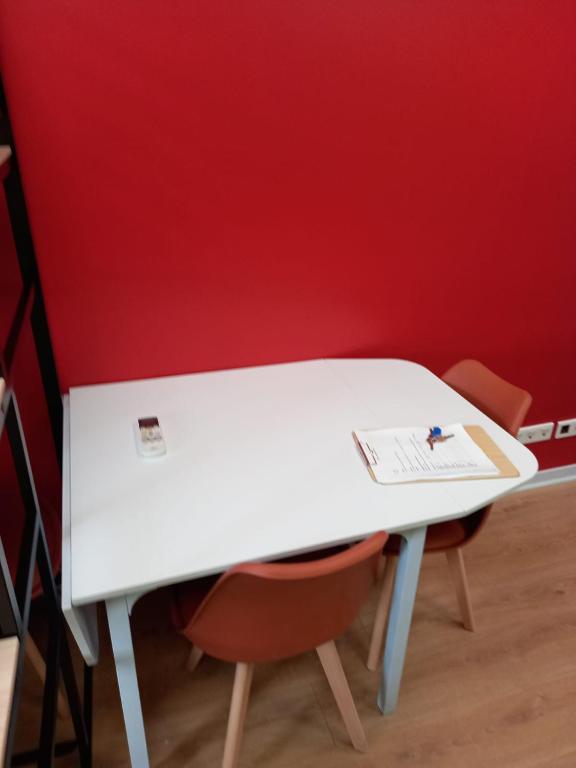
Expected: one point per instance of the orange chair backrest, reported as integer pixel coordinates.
(503, 402)
(267, 611)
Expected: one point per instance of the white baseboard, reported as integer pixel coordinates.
(565, 474)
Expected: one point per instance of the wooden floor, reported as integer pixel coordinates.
(504, 696)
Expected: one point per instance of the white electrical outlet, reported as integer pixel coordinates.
(535, 433)
(566, 428)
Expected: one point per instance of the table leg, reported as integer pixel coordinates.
(405, 585)
(121, 636)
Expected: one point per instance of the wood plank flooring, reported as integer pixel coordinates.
(504, 696)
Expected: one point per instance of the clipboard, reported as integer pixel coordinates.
(494, 453)
(483, 441)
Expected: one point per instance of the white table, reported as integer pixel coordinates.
(260, 464)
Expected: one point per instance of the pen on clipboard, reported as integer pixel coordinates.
(436, 436)
(369, 453)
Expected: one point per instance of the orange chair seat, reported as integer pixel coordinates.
(261, 612)
(188, 596)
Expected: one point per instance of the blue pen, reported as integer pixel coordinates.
(436, 436)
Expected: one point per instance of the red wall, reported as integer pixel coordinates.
(216, 184)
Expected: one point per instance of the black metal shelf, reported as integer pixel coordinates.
(16, 595)
(15, 602)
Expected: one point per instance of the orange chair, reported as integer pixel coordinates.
(505, 404)
(260, 612)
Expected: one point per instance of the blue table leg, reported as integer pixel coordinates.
(121, 636)
(405, 585)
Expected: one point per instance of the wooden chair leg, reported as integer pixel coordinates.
(238, 707)
(35, 658)
(194, 658)
(456, 563)
(377, 639)
(332, 665)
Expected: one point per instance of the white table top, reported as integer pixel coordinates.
(260, 464)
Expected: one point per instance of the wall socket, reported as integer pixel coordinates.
(536, 433)
(566, 428)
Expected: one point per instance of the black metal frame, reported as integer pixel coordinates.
(15, 598)
(16, 603)
(22, 235)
